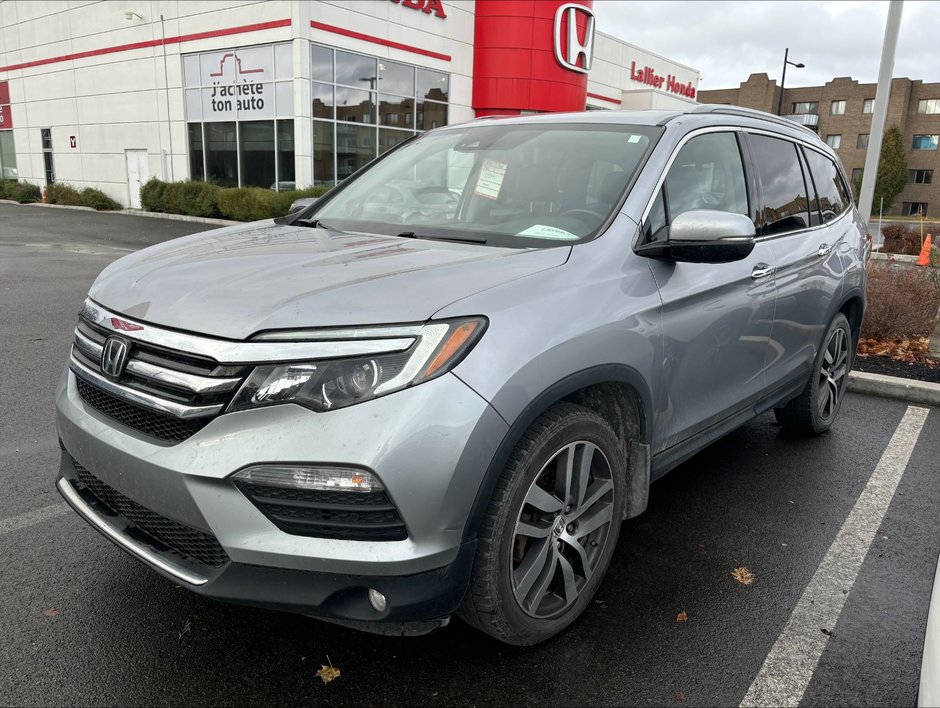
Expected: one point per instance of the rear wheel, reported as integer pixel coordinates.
(815, 409)
(550, 530)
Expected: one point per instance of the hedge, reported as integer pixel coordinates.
(22, 192)
(61, 193)
(206, 199)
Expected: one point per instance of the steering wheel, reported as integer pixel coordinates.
(587, 216)
(452, 198)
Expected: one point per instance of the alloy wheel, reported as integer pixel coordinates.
(562, 529)
(833, 373)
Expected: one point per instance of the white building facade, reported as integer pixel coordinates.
(281, 93)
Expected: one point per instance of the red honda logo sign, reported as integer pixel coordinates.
(426, 6)
(570, 50)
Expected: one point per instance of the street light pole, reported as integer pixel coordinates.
(783, 78)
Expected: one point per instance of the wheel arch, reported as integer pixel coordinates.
(617, 393)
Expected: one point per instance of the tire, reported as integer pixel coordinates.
(815, 409)
(529, 580)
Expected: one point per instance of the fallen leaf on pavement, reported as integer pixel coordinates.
(328, 673)
(51, 612)
(682, 616)
(743, 575)
(680, 697)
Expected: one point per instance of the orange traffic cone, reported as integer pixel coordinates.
(924, 259)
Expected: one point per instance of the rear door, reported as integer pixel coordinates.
(805, 256)
(716, 318)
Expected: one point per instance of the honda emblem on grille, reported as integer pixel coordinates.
(114, 357)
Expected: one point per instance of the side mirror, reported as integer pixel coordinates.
(704, 236)
(301, 203)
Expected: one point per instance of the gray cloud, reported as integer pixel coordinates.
(727, 41)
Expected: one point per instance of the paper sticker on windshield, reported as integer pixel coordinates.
(541, 231)
(490, 180)
(634, 138)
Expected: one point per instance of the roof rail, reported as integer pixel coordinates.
(748, 113)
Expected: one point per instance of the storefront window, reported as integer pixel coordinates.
(256, 150)
(222, 154)
(196, 154)
(371, 106)
(234, 99)
(323, 152)
(7, 156)
(286, 175)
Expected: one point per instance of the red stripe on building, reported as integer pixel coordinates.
(378, 40)
(604, 98)
(150, 43)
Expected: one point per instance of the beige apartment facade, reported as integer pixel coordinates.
(840, 112)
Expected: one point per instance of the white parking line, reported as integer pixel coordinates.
(37, 516)
(790, 664)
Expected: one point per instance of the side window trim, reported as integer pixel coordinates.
(812, 194)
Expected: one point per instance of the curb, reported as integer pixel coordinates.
(132, 212)
(59, 206)
(178, 217)
(908, 390)
(878, 256)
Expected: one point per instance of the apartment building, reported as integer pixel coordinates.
(840, 112)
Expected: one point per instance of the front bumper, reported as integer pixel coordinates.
(430, 446)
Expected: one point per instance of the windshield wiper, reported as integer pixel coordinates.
(425, 237)
(314, 224)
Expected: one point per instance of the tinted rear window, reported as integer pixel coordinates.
(785, 204)
(830, 198)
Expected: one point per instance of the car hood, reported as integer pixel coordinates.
(240, 280)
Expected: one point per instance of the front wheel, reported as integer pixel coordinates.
(550, 530)
(815, 409)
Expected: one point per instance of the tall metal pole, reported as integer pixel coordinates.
(880, 110)
(783, 78)
(166, 87)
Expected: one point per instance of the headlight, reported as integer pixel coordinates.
(329, 384)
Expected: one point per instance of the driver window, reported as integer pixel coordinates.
(708, 173)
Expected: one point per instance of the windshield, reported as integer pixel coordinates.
(510, 185)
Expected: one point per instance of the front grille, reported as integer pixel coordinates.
(166, 394)
(165, 533)
(350, 516)
(156, 425)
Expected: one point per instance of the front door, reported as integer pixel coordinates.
(138, 172)
(716, 318)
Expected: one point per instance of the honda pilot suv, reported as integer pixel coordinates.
(440, 389)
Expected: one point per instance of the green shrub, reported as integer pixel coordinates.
(192, 198)
(61, 193)
(22, 192)
(206, 199)
(151, 195)
(935, 257)
(98, 200)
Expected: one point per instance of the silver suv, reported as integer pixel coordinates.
(440, 388)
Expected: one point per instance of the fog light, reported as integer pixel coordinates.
(337, 479)
(377, 600)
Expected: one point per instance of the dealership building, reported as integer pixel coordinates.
(283, 93)
(840, 112)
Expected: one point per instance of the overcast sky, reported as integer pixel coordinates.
(727, 41)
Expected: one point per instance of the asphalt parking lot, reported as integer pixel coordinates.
(839, 532)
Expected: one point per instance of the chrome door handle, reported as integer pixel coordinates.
(823, 250)
(762, 270)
